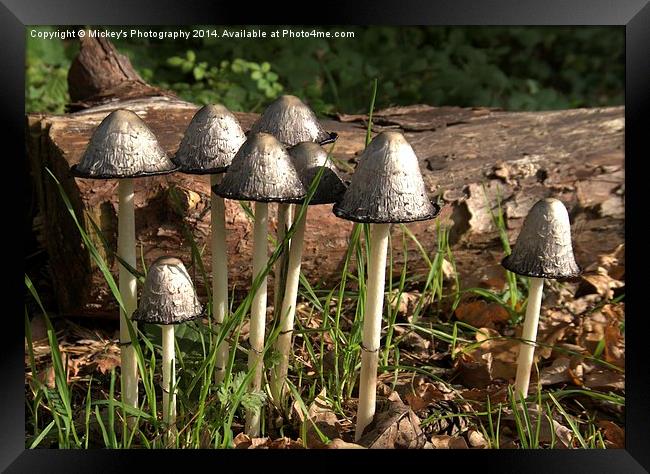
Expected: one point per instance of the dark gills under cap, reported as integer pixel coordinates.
(543, 248)
(122, 146)
(308, 158)
(387, 186)
(210, 142)
(261, 171)
(291, 121)
(168, 296)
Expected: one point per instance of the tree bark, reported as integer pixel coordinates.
(574, 155)
(100, 74)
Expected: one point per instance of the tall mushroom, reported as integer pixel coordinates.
(211, 140)
(387, 187)
(261, 171)
(308, 158)
(291, 121)
(122, 147)
(168, 298)
(543, 250)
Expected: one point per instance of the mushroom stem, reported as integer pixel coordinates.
(284, 222)
(258, 311)
(128, 291)
(219, 275)
(372, 326)
(529, 336)
(169, 375)
(288, 311)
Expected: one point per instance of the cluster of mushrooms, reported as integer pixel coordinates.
(276, 162)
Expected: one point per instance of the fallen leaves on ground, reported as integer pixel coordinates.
(83, 351)
(493, 359)
(551, 430)
(395, 426)
(338, 443)
(243, 441)
(448, 442)
(614, 434)
(482, 314)
(321, 421)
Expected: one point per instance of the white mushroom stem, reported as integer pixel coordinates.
(258, 311)
(169, 375)
(284, 222)
(219, 275)
(288, 311)
(128, 291)
(372, 326)
(529, 336)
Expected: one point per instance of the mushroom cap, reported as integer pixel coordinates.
(261, 171)
(210, 142)
(543, 248)
(168, 296)
(387, 185)
(308, 158)
(122, 146)
(291, 121)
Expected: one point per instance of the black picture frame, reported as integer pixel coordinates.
(633, 15)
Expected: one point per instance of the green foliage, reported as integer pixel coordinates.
(47, 64)
(238, 84)
(227, 393)
(516, 68)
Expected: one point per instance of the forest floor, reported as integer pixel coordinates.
(447, 363)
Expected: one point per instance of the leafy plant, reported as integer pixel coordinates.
(238, 84)
(46, 74)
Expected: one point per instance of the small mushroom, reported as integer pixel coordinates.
(261, 171)
(291, 121)
(543, 250)
(168, 298)
(308, 158)
(122, 147)
(387, 187)
(211, 140)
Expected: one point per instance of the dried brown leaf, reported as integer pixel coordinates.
(425, 394)
(243, 441)
(281, 443)
(395, 426)
(481, 314)
(614, 434)
(107, 362)
(321, 418)
(338, 443)
(476, 439)
(604, 379)
(448, 442)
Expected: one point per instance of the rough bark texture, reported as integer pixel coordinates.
(574, 155)
(100, 74)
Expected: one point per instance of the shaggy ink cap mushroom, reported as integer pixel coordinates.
(308, 158)
(291, 121)
(211, 140)
(387, 186)
(543, 248)
(262, 171)
(122, 146)
(168, 296)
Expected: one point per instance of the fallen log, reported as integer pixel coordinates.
(470, 158)
(574, 155)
